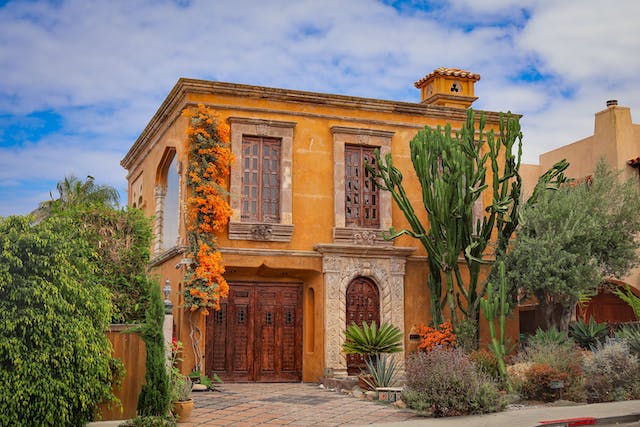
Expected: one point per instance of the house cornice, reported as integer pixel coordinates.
(167, 112)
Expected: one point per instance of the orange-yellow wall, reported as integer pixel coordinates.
(313, 210)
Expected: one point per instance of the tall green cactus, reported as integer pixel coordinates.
(496, 307)
(452, 170)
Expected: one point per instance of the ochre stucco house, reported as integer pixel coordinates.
(311, 258)
(616, 140)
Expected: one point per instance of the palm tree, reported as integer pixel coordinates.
(73, 192)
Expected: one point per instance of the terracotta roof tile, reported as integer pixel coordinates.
(443, 71)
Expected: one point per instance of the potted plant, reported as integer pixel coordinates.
(371, 341)
(183, 403)
(179, 386)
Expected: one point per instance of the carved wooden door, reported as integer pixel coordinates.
(257, 334)
(363, 305)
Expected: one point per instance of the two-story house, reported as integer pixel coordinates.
(303, 250)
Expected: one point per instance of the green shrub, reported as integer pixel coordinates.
(55, 359)
(631, 335)
(447, 383)
(154, 397)
(551, 337)
(121, 240)
(588, 335)
(562, 356)
(150, 421)
(486, 363)
(612, 373)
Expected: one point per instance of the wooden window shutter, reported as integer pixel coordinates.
(361, 195)
(261, 179)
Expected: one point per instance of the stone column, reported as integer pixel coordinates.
(159, 194)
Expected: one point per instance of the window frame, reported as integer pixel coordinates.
(342, 233)
(364, 191)
(245, 229)
(262, 144)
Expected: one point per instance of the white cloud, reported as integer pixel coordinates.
(585, 39)
(105, 67)
(53, 158)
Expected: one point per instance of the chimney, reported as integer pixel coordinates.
(448, 87)
(612, 103)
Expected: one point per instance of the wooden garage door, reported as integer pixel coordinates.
(257, 334)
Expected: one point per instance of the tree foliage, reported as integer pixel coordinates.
(573, 239)
(73, 192)
(55, 359)
(121, 240)
(454, 170)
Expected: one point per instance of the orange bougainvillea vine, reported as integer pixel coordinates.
(208, 211)
(432, 338)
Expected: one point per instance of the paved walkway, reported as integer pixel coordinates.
(300, 404)
(296, 404)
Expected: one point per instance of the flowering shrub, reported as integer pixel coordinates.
(517, 374)
(486, 362)
(537, 384)
(563, 358)
(432, 338)
(445, 382)
(208, 211)
(612, 373)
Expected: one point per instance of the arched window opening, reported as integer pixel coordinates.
(167, 193)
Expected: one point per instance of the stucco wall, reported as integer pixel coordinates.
(313, 188)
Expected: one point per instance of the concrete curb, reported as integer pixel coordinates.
(611, 412)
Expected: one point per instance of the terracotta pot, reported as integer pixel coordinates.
(182, 410)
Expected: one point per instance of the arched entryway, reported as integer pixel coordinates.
(363, 305)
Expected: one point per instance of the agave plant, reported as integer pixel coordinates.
(631, 335)
(551, 336)
(383, 371)
(370, 340)
(588, 335)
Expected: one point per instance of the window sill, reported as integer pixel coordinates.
(260, 231)
(360, 236)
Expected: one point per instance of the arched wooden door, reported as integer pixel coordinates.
(363, 305)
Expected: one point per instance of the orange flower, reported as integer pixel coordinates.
(432, 338)
(208, 210)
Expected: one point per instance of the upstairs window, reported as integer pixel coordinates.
(361, 195)
(261, 179)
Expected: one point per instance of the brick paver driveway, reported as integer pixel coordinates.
(296, 404)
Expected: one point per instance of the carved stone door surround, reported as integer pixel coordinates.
(341, 263)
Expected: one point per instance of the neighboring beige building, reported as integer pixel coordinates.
(616, 139)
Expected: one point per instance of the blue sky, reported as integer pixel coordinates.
(80, 79)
